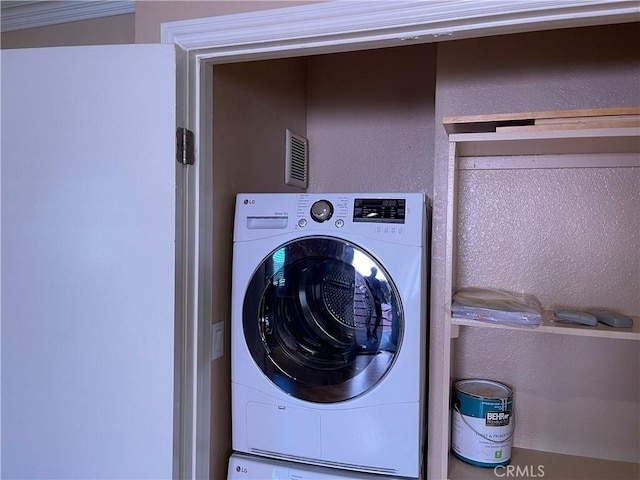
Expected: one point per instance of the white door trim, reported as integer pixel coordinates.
(313, 29)
(340, 26)
(186, 311)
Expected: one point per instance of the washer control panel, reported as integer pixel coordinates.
(377, 215)
(395, 217)
(379, 210)
(322, 210)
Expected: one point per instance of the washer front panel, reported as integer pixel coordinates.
(322, 319)
(298, 360)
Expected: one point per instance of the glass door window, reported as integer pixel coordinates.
(322, 319)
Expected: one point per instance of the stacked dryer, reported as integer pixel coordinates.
(329, 330)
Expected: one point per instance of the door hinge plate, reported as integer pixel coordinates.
(185, 148)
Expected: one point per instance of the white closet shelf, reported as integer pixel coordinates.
(549, 326)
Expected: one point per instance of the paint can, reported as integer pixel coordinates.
(482, 422)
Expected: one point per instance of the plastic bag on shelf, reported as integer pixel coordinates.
(497, 306)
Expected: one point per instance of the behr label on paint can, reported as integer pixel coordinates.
(482, 422)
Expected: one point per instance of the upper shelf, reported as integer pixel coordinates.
(603, 141)
(611, 132)
(549, 120)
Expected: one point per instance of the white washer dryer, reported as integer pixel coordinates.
(250, 467)
(329, 329)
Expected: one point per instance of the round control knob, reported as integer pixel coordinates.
(321, 211)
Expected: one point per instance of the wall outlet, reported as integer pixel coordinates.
(217, 340)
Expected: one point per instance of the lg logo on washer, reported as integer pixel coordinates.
(248, 201)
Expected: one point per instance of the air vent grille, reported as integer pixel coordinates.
(297, 160)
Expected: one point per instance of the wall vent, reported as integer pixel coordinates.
(296, 160)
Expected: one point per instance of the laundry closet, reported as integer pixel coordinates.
(368, 117)
(373, 119)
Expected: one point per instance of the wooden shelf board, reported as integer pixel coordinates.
(569, 126)
(548, 326)
(588, 141)
(489, 122)
(547, 465)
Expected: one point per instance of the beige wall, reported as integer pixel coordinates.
(116, 29)
(370, 120)
(571, 237)
(254, 104)
(143, 26)
(150, 14)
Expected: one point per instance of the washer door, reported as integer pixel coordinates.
(322, 319)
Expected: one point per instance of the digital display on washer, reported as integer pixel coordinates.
(379, 210)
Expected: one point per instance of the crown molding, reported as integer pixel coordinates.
(30, 14)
